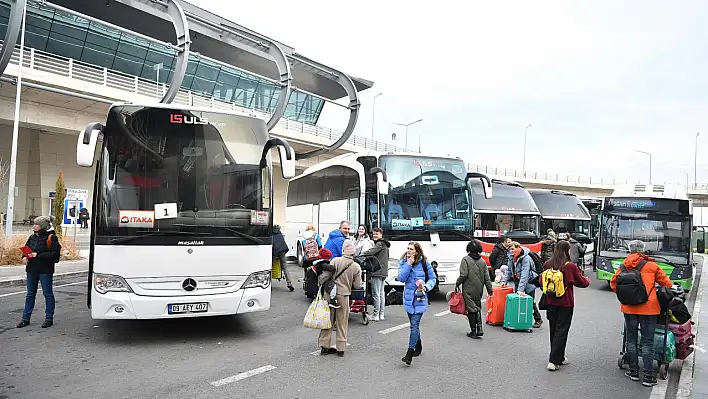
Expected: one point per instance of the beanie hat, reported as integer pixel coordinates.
(348, 248)
(44, 222)
(325, 254)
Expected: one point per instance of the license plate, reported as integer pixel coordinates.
(188, 308)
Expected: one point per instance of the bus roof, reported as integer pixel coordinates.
(559, 204)
(669, 191)
(509, 197)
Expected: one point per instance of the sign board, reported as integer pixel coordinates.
(166, 211)
(145, 219)
(259, 218)
(77, 193)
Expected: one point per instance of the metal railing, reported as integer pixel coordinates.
(71, 68)
(700, 188)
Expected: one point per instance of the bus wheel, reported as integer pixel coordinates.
(300, 256)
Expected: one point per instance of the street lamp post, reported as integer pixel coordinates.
(523, 167)
(406, 125)
(647, 153)
(373, 116)
(15, 132)
(695, 162)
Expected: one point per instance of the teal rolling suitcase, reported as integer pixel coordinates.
(518, 315)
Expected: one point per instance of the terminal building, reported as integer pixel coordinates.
(81, 55)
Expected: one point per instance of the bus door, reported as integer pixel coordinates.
(353, 208)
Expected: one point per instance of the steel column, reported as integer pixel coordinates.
(13, 31)
(179, 20)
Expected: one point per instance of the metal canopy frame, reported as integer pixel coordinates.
(13, 32)
(179, 20)
(275, 52)
(261, 42)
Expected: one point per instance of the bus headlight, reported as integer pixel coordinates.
(681, 272)
(104, 283)
(258, 279)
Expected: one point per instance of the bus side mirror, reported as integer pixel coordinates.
(701, 246)
(286, 153)
(381, 180)
(86, 144)
(287, 161)
(486, 183)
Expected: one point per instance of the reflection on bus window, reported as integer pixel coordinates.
(660, 236)
(505, 223)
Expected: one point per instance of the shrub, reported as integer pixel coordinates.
(59, 205)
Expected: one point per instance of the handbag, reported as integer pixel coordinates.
(318, 314)
(542, 305)
(457, 302)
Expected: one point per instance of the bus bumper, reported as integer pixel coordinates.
(129, 306)
(604, 275)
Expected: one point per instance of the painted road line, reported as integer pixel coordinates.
(56, 286)
(396, 328)
(243, 376)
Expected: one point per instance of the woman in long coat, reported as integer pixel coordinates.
(473, 278)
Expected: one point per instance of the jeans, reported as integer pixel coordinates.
(632, 324)
(415, 329)
(559, 319)
(377, 291)
(32, 280)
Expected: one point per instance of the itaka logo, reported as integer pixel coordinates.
(124, 219)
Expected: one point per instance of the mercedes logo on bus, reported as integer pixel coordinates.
(189, 285)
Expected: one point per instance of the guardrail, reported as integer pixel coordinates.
(700, 188)
(71, 68)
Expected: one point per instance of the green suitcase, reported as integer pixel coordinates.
(518, 315)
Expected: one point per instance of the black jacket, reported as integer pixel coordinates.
(380, 252)
(47, 256)
(498, 257)
(279, 246)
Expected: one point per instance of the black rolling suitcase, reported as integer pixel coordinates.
(310, 284)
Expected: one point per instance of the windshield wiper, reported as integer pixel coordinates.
(234, 231)
(156, 233)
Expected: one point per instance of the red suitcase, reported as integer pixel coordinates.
(496, 305)
(684, 338)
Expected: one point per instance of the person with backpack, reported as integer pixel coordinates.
(413, 267)
(634, 283)
(474, 279)
(46, 252)
(311, 244)
(577, 250)
(559, 277)
(347, 275)
(378, 278)
(521, 271)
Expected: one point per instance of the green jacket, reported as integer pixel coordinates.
(473, 278)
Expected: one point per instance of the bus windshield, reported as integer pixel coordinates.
(663, 235)
(511, 212)
(176, 172)
(425, 193)
(495, 225)
(559, 205)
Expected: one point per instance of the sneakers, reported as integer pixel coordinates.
(565, 361)
(649, 381)
(328, 351)
(47, 323)
(23, 323)
(537, 323)
(553, 367)
(381, 317)
(375, 317)
(632, 375)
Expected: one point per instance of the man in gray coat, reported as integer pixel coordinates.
(380, 252)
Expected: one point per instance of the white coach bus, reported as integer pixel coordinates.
(412, 197)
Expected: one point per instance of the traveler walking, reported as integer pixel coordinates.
(634, 282)
(559, 277)
(521, 272)
(46, 252)
(473, 279)
(280, 248)
(346, 277)
(378, 278)
(412, 269)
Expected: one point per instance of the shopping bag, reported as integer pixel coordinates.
(276, 273)
(317, 315)
(457, 302)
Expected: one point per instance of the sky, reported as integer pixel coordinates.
(596, 80)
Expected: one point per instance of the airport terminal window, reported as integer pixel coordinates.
(70, 36)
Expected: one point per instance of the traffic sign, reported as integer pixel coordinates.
(76, 193)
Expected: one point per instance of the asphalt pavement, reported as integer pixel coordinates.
(270, 354)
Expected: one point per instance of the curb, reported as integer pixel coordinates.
(22, 281)
(685, 385)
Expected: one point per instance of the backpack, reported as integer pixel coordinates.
(537, 262)
(312, 250)
(49, 246)
(553, 285)
(630, 287)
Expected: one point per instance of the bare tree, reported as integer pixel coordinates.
(4, 179)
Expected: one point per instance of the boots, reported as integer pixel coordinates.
(480, 333)
(418, 349)
(408, 358)
(472, 319)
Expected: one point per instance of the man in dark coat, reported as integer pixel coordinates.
(280, 248)
(46, 251)
(499, 254)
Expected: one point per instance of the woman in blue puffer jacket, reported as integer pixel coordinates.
(414, 267)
